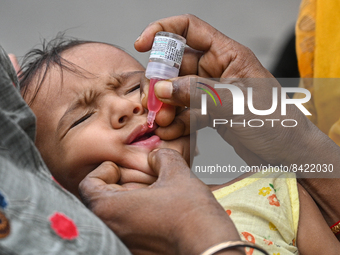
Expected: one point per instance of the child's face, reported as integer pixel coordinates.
(96, 116)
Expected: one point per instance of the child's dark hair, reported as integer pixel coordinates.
(37, 62)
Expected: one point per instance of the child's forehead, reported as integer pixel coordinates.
(94, 49)
(92, 55)
(84, 64)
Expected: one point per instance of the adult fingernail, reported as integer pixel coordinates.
(142, 97)
(155, 150)
(137, 38)
(163, 89)
(152, 155)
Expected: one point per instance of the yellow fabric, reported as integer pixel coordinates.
(327, 50)
(318, 52)
(265, 211)
(305, 38)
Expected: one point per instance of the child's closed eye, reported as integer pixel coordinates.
(82, 119)
(133, 89)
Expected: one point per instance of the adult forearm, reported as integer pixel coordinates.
(317, 165)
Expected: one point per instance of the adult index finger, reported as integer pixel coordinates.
(104, 177)
(222, 56)
(198, 33)
(184, 91)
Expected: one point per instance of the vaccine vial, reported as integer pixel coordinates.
(164, 63)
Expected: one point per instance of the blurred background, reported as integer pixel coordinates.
(265, 26)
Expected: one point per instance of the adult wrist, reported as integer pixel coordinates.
(310, 146)
(203, 230)
(225, 246)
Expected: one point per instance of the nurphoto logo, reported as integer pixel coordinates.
(238, 101)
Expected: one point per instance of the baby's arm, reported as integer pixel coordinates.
(314, 235)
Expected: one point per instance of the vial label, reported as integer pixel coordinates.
(168, 49)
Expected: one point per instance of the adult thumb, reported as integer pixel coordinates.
(168, 164)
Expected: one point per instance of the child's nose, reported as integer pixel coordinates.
(127, 110)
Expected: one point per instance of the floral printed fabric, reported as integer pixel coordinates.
(265, 211)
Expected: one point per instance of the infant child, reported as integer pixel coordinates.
(86, 97)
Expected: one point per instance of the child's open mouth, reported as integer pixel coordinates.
(143, 136)
(147, 140)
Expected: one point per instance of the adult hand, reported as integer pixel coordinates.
(215, 55)
(176, 215)
(218, 56)
(212, 55)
